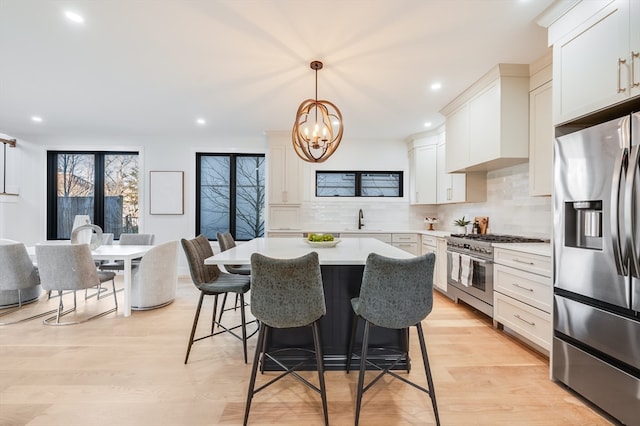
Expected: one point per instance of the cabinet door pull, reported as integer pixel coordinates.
(634, 56)
(523, 261)
(284, 197)
(524, 320)
(522, 287)
(621, 62)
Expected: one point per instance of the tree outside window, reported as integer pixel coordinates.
(103, 185)
(230, 195)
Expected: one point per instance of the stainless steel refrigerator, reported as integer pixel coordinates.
(596, 242)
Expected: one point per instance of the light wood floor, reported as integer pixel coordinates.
(130, 371)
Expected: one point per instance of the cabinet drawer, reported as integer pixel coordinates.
(526, 261)
(404, 238)
(532, 289)
(429, 240)
(409, 247)
(528, 322)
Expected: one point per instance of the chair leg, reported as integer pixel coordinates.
(320, 368)
(264, 344)
(363, 362)
(115, 298)
(224, 303)
(215, 309)
(244, 326)
(425, 359)
(354, 328)
(405, 347)
(254, 369)
(193, 327)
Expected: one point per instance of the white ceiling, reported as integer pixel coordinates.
(143, 68)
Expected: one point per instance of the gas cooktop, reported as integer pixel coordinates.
(497, 238)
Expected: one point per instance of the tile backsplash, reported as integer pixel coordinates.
(509, 207)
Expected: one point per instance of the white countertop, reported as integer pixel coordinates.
(349, 251)
(542, 249)
(435, 232)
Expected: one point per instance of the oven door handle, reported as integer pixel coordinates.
(475, 259)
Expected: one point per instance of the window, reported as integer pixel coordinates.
(358, 184)
(103, 185)
(230, 195)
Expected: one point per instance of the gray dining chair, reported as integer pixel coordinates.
(19, 282)
(70, 267)
(287, 293)
(154, 281)
(395, 294)
(132, 240)
(226, 242)
(211, 281)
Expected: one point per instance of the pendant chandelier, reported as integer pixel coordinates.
(317, 131)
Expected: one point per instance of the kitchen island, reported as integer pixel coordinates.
(341, 268)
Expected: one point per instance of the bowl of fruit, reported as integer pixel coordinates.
(322, 240)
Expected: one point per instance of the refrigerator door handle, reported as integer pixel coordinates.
(629, 217)
(619, 170)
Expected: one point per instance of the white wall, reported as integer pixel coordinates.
(508, 205)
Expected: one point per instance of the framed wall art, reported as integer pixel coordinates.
(166, 192)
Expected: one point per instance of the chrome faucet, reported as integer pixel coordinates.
(360, 217)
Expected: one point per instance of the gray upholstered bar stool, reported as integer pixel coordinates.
(226, 242)
(213, 282)
(287, 293)
(397, 294)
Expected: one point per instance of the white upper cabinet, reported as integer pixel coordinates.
(429, 182)
(487, 126)
(458, 187)
(422, 181)
(541, 132)
(285, 173)
(596, 57)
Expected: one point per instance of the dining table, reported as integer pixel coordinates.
(113, 252)
(341, 267)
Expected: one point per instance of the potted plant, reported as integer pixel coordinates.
(462, 225)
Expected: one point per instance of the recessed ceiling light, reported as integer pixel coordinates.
(436, 86)
(74, 17)
(201, 121)
(427, 124)
(36, 119)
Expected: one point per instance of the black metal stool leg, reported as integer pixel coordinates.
(254, 369)
(215, 309)
(425, 359)
(244, 327)
(363, 363)
(320, 363)
(224, 302)
(354, 328)
(193, 327)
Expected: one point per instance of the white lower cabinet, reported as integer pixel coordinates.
(523, 295)
(437, 246)
(406, 242)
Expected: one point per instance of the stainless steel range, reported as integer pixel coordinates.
(470, 267)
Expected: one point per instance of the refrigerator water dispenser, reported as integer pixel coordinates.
(583, 224)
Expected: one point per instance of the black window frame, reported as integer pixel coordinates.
(232, 189)
(52, 186)
(358, 182)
